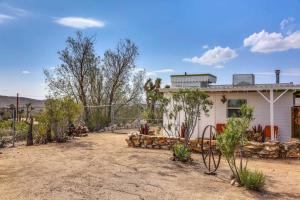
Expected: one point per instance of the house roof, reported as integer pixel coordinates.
(230, 87)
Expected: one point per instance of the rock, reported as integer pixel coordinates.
(232, 182)
(165, 147)
(289, 149)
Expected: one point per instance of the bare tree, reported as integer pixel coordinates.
(71, 78)
(96, 86)
(118, 65)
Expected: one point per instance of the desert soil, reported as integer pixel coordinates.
(101, 166)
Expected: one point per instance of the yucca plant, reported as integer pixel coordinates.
(254, 180)
(181, 152)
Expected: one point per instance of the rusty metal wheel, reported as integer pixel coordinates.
(210, 155)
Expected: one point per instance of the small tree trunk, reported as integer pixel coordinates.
(29, 134)
(48, 136)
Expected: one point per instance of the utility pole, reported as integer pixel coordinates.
(17, 114)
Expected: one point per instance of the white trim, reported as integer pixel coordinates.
(271, 101)
(272, 115)
(281, 95)
(259, 92)
(229, 88)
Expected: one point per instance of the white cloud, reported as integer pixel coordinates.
(286, 22)
(214, 56)
(79, 22)
(219, 66)
(25, 72)
(8, 12)
(264, 42)
(205, 46)
(4, 18)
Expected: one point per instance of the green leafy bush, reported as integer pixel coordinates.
(6, 129)
(54, 121)
(181, 152)
(254, 180)
(233, 139)
(5, 124)
(21, 130)
(41, 128)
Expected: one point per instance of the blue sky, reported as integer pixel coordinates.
(217, 37)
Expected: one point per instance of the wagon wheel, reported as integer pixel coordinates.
(211, 157)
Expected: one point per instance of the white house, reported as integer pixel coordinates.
(274, 104)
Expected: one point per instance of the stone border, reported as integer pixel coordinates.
(252, 149)
(162, 142)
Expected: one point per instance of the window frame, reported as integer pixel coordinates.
(234, 108)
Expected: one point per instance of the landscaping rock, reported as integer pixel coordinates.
(251, 149)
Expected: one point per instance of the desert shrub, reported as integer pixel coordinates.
(41, 129)
(192, 104)
(5, 124)
(6, 129)
(54, 121)
(21, 130)
(61, 113)
(233, 139)
(254, 180)
(97, 119)
(181, 152)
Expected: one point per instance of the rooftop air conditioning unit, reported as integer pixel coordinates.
(192, 80)
(243, 79)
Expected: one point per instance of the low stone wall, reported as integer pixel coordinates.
(273, 149)
(252, 149)
(162, 142)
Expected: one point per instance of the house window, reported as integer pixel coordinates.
(234, 107)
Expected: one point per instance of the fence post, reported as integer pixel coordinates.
(14, 127)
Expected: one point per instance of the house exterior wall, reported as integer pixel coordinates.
(218, 112)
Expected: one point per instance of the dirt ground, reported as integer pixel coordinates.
(101, 166)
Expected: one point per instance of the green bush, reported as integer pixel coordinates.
(5, 124)
(41, 128)
(254, 180)
(233, 139)
(21, 130)
(6, 129)
(53, 122)
(181, 152)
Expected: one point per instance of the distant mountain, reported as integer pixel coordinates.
(7, 100)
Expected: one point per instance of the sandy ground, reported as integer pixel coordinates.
(101, 166)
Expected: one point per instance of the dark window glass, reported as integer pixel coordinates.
(234, 107)
(233, 113)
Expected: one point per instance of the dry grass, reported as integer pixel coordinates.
(101, 166)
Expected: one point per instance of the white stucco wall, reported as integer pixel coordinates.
(218, 113)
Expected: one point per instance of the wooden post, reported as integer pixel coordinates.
(272, 114)
(14, 127)
(29, 134)
(17, 114)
